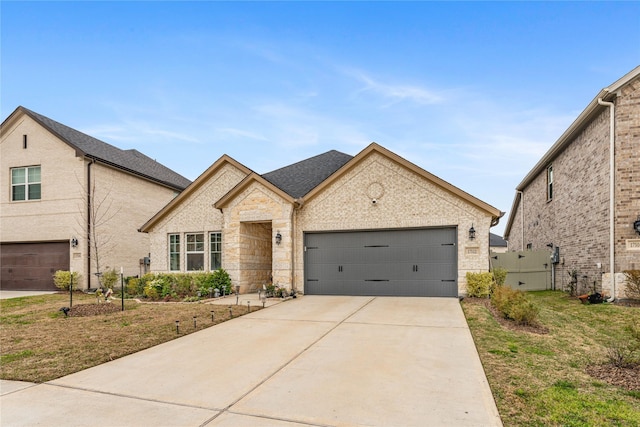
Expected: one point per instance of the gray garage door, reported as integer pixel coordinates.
(30, 266)
(415, 262)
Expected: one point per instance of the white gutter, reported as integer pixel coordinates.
(612, 181)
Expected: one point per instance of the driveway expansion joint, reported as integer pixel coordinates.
(129, 396)
(296, 356)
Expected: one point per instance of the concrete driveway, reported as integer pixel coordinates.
(318, 361)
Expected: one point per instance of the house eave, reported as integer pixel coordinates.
(592, 110)
(199, 182)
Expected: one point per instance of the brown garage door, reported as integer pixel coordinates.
(30, 266)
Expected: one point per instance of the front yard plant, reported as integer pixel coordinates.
(62, 279)
(562, 376)
(180, 286)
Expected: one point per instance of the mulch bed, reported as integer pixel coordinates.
(627, 378)
(507, 323)
(84, 310)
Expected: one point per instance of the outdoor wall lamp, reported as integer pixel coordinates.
(278, 238)
(74, 242)
(472, 233)
(636, 225)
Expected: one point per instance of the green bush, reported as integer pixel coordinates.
(110, 278)
(135, 286)
(180, 285)
(632, 287)
(479, 285)
(62, 278)
(222, 280)
(183, 284)
(514, 305)
(499, 275)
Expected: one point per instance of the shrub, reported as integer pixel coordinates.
(181, 285)
(499, 275)
(221, 280)
(479, 285)
(625, 352)
(632, 288)
(135, 286)
(61, 279)
(110, 278)
(573, 282)
(514, 305)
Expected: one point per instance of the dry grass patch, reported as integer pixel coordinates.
(38, 343)
(543, 378)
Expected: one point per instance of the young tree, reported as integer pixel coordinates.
(99, 212)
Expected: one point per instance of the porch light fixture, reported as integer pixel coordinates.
(278, 238)
(636, 225)
(74, 242)
(472, 233)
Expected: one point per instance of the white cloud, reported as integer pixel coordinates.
(395, 93)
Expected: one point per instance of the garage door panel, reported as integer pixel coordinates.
(419, 262)
(30, 266)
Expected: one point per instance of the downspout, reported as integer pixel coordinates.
(612, 182)
(89, 223)
(297, 204)
(521, 218)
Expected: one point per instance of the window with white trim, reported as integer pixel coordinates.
(195, 251)
(215, 249)
(174, 252)
(25, 183)
(550, 182)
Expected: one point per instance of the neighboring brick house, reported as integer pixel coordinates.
(570, 199)
(50, 173)
(373, 224)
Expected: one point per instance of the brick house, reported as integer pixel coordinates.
(571, 201)
(51, 177)
(373, 224)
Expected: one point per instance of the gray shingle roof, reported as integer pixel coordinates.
(131, 161)
(299, 178)
(497, 241)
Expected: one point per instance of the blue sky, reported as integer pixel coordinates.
(475, 93)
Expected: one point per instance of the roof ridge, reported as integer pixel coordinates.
(297, 179)
(305, 160)
(130, 160)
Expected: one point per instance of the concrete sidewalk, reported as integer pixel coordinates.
(4, 294)
(319, 361)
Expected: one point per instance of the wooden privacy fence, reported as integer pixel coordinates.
(526, 270)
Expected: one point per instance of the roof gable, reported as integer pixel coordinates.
(195, 185)
(252, 178)
(375, 148)
(131, 161)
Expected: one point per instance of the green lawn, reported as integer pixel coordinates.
(541, 379)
